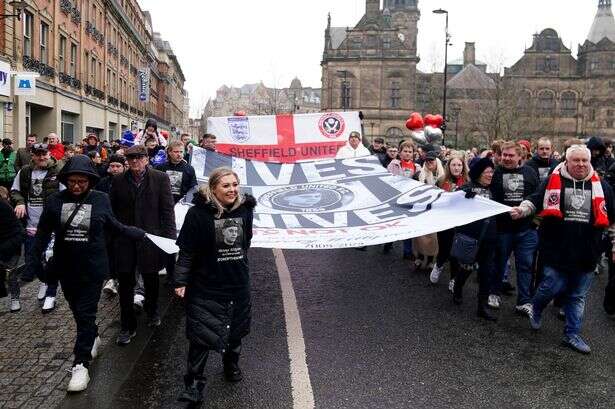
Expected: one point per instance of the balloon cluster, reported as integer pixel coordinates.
(425, 130)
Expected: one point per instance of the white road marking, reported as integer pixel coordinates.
(303, 396)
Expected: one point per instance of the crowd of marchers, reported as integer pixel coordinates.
(559, 234)
(79, 217)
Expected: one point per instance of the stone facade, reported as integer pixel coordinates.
(548, 92)
(257, 99)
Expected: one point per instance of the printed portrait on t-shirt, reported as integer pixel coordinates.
(229, 239)
(175, 178)
(513, 187)
(578, 205)
(543, 173)
(79, 228)
(36, 193)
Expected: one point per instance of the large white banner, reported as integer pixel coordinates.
(331, 203)
(283, 138)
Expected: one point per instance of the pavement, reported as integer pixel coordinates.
(376, 335)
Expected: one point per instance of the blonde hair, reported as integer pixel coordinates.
(207, 190)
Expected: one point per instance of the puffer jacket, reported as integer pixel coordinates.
(213, 266)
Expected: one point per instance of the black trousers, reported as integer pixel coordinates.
(170, 267)
(445, 242)
(83, 297)
(486, 272)
(198, 355)
(127, 281)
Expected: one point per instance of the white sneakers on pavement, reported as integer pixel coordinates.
(494, 302)
(79, 380)
(451, 285)
(110, 287)
(95, 347)
(42, 291)
(49, 305)
(525, 309)
(14, 305)
(436, 271)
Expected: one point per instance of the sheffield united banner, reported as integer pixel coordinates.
(331, 203)
(283, 138)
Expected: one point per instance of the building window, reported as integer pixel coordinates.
(68, 127)
(346, 95)
(62, 54)
(93, 72)
(395, 94)
(524, 103)
(28, 119)
(386, 43)
(594, 66)
(27, 34)
(546, 104)
(569, 104)
(592, 115)
(44, 42)
(609, 123)
(73, 60)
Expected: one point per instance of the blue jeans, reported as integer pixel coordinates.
(30, 272)
(573, 287)
(524, 245)
(407, 245)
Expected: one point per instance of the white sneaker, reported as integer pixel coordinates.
(494, 302)
(42, 290)
(162, 272)
(15, 305)
(80, 379)
(95, 347)
(110, 287)
(525, 309)
(49, 304)
(138, 300)
(434, 277)
(451, 285)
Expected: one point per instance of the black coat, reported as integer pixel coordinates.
(79, 250)
(214, 269)
(11, 232)
(149, 207)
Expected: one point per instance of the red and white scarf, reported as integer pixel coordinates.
(552, 200)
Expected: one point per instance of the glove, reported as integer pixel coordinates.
(470, 194)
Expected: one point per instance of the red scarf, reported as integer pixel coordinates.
(552, 200)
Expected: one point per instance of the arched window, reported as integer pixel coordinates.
(568, 104)
(394, 135)
(546, 104)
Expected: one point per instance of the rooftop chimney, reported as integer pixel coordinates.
(469, 54)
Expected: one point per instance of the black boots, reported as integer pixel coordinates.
(193, 389)
(232, 372)
(483, 311)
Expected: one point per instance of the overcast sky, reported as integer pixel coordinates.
(234, 42)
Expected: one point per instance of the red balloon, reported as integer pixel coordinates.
(240, 113)
(415, 121)
(434, 120)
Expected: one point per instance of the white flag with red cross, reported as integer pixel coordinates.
(285, 138)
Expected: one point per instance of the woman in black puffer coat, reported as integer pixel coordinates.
(212, 275)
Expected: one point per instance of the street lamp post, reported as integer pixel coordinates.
(446, 44)
(18, 7)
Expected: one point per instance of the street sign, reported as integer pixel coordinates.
(25, 83)
(143, 85)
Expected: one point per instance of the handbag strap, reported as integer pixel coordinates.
(74, 213)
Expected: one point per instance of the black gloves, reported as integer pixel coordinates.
(470, 194)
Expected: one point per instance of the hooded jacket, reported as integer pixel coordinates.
(213, 266)
(600, 163)
(80, 252)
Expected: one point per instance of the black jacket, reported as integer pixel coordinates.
(542, 167)
(571, 246)
(512, 194)
(600, 162)
(79, 250)
(104, 185)
(11, 232)
(214, 269)
(149, 207)
(475, 229)
(181, 176)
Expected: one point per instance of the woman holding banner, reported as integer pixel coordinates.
(212, 275)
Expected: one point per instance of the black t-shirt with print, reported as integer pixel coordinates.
(510, 187)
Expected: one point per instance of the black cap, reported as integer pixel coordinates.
(39, 148)
(479, 167)
(7, 141)
(431, 155)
